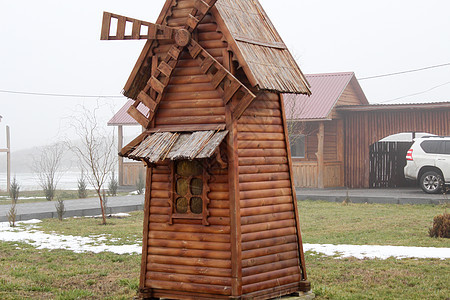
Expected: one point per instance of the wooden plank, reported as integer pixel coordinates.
(146, 225)
(174, 52)
(206, 64)
(165, 68)
(242, 106)
(157, 85)
(121, 24)
(218, 77)
(231, 89)
(136, 30)
(147, 101)
(192, 22)
(202, 6)
(106, 26)
(138, 116)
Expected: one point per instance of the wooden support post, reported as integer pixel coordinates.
(8, 157)
(319, 154)
(235, 207)
(119, 146)
(340, 151)
(148, 184)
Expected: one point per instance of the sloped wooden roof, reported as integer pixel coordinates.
(159, 146)
(258, 47)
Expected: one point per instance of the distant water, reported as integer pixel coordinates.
(29, 181)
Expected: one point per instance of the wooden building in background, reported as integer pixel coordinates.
(367, 124)
(316, 129)
(221, 219)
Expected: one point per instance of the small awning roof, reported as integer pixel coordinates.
(159, 146)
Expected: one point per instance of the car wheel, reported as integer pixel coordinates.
(431, 182)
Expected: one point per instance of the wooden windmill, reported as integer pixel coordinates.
(221, 218)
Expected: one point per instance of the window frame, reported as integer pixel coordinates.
(205, 177)
(298, 136)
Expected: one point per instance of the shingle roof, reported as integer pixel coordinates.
(259, 48)
(326, 90)
(266, 58)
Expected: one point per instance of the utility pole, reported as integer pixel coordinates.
(8, 158)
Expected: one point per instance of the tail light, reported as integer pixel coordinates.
(409, 154)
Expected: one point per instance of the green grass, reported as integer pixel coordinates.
(369, 224)
(28, 273)
(123, 231)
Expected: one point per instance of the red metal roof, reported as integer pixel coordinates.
(326, 90)
(123, 118)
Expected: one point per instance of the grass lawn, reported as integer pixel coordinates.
(28, 273)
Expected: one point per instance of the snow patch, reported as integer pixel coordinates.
(29, 233)
(378, 251)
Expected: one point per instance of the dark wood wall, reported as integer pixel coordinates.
(364, 128)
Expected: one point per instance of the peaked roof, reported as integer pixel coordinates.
(326, 90)
(122, 117)
(259, 49)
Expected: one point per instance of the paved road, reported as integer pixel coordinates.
(393, 195)
(90, 206)
(78, 207)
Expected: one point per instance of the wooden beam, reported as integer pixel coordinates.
(119, 146)
(148, 186)
(240, 108)
(319, 154)
(138, 116)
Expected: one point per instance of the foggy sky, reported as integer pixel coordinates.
(51, 46)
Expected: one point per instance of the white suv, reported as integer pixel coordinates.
(428, 161)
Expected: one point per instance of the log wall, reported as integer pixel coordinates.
(188, 258)
(362, 129)
(270, 254)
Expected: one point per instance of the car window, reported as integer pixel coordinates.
(431, 146)
(447, 147)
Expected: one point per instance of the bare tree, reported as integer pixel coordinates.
(96, 151)
(47, 167)
(293, 109)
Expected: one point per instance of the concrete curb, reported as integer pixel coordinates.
(379, 200)
(85, 212)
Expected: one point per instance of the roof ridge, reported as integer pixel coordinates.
(331, 74)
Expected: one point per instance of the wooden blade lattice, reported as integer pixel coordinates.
(117, 27)
(153, 91)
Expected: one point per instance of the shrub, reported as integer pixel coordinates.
(82, 187)
(113, 185)
(441, 226)
(140, 184)
(14, 189)
(60, 209)
(12, 213)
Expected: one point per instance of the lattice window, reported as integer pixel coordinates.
(189, 197)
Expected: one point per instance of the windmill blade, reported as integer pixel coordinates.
(222, 79)
(137, 29)
(200, 10)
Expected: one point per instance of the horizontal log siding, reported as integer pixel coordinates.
(269, 237)
(178, 253)
(187, 257)
(190, 99)
(365, 128)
